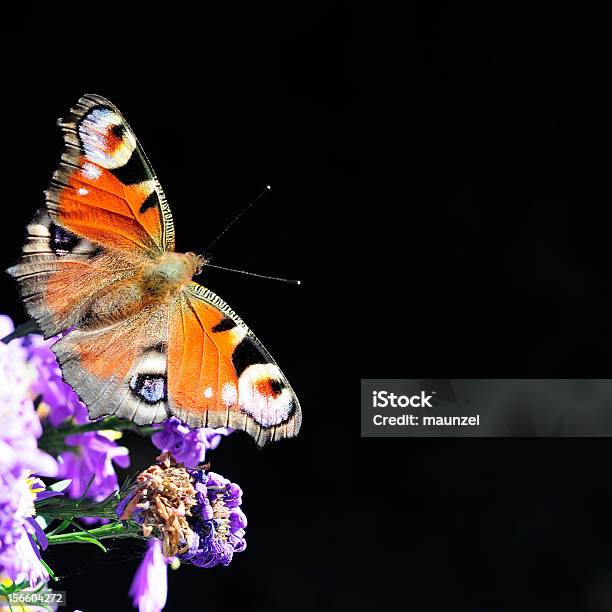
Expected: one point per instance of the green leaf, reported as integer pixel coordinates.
(77, 537)
(90, 537)
(61, 527)
(51, 572)
(93, 477)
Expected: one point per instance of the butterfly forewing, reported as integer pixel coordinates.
(105, 169)
(220, 375)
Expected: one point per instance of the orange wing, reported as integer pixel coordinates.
(220, 375)
(192, 357)
(105, 189)
(105, 217)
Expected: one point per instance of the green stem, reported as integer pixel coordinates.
(65, 508)
(112, 530)
(77, 511)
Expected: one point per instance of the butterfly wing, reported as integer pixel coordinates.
(105, 217)
(192, 357)
(220, 375)
(105, 189)
(120, 368)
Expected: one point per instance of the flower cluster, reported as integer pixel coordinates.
(196, 514)
(21, 426)
(92, 453)
(57, 399)
(187, 513)
(192, 515)
(20, 559)
(19, 457)
(88, 454)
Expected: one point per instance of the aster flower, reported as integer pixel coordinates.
(149, 588)
(19, 554)
(196, 514)
(188, 446)
(30, 371)
(58, 398)
(92, 453)
(21, 426)
(218, 522)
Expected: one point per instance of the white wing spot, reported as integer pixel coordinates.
(208, 392)
(229, 394)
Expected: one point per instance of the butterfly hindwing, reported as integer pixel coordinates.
(60, 273)
(120, 369)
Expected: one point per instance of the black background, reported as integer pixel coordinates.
(440, 184)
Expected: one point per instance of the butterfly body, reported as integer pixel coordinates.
(149, 287)
(170, 273)
(147, 341)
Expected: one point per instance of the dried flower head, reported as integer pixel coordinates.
(161, 501)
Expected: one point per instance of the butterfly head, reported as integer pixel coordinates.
(197, 261)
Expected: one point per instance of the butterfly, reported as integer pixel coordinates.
(145, 341)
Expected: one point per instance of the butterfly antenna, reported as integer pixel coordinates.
(249, 205)
(276, 278)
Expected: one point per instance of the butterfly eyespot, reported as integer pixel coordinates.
(118, 130)
(104, 139)
(264, 395)
(268, 386)
(149, 387)
(62, 241)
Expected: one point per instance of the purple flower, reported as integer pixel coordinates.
(21, 426)
(196, 514)
(58, 397)
(188, 446)
(149, 588)
(217, 521)
(19, 454)
(19, 553)
(92, 453)
(28, 371)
